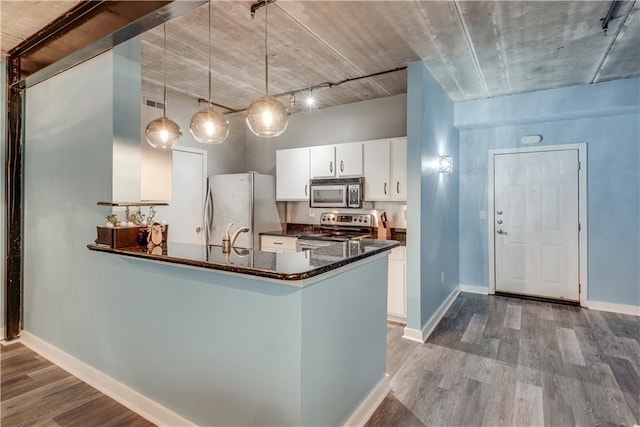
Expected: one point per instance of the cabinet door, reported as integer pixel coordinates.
(323, 161)
(292, 174)
(376, 170)
(349, 159)
(399, 169)
(396, 300)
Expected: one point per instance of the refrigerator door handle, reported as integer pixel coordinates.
(207, 215)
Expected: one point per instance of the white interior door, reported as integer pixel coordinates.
(536, 223)
(185, 211)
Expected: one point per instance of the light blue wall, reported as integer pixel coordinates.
(605, 116)
(432, 200)
(3, 150)
(217, 349)
(343, 343)
(575, 102)
(127, 98)
(133, 321)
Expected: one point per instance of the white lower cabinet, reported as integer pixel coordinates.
(278, 244)
(396, 290)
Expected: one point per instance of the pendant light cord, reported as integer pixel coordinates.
(266, 58)
(209, 54)
(164, 70)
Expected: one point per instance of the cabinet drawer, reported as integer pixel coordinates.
(278, 242)
(398, 254)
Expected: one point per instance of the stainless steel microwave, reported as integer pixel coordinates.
(336, 193)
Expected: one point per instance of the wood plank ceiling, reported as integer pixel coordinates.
(475, 49)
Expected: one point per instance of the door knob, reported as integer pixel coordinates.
(499, 212)
(499, 221)
(501, 231)
(199, 229)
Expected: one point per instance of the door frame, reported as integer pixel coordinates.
(582, 210)
(205, 176)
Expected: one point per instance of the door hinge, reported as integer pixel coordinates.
(579, 165)
(579, 288)
(579, 227)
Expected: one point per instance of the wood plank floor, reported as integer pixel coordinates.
(35, 392)
(503, 361)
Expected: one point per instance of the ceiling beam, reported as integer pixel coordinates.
(605, 27)
(472, 49)
(88, 29)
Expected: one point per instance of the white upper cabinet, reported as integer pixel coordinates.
(349, 159)
(399, 169)
(382, 162)
(385, 169)
(341, 160)
(322, 161)
(292, 174)
(377, 170)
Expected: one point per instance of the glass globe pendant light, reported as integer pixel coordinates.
(266, 116)
(163, 133)
(208, 125)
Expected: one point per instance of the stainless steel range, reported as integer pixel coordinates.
(335, 228)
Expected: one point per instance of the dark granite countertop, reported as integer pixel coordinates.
(280, 266)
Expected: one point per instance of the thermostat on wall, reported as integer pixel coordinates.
(531, 139)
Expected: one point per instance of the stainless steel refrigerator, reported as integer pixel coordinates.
(244, 199)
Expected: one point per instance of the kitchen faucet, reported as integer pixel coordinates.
(228, 242)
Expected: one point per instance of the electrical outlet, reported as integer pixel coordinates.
(311, 212)
(442, 277)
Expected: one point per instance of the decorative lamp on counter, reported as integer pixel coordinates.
(266, 116)
(208, 125)
(163, 133)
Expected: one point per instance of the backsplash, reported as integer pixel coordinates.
(301, 213)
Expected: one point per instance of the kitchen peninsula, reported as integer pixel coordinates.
(273, 338)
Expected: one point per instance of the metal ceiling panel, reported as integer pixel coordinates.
(431, 30)
(474, 49)
(297, 59)
(529, 46)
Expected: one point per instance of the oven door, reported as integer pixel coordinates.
(328, 196)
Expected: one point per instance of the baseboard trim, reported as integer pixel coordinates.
(427, 329)
(119, 392)
(396, 318)
(369, 405)
(632, 310)
(475, 289)
(413, 335)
